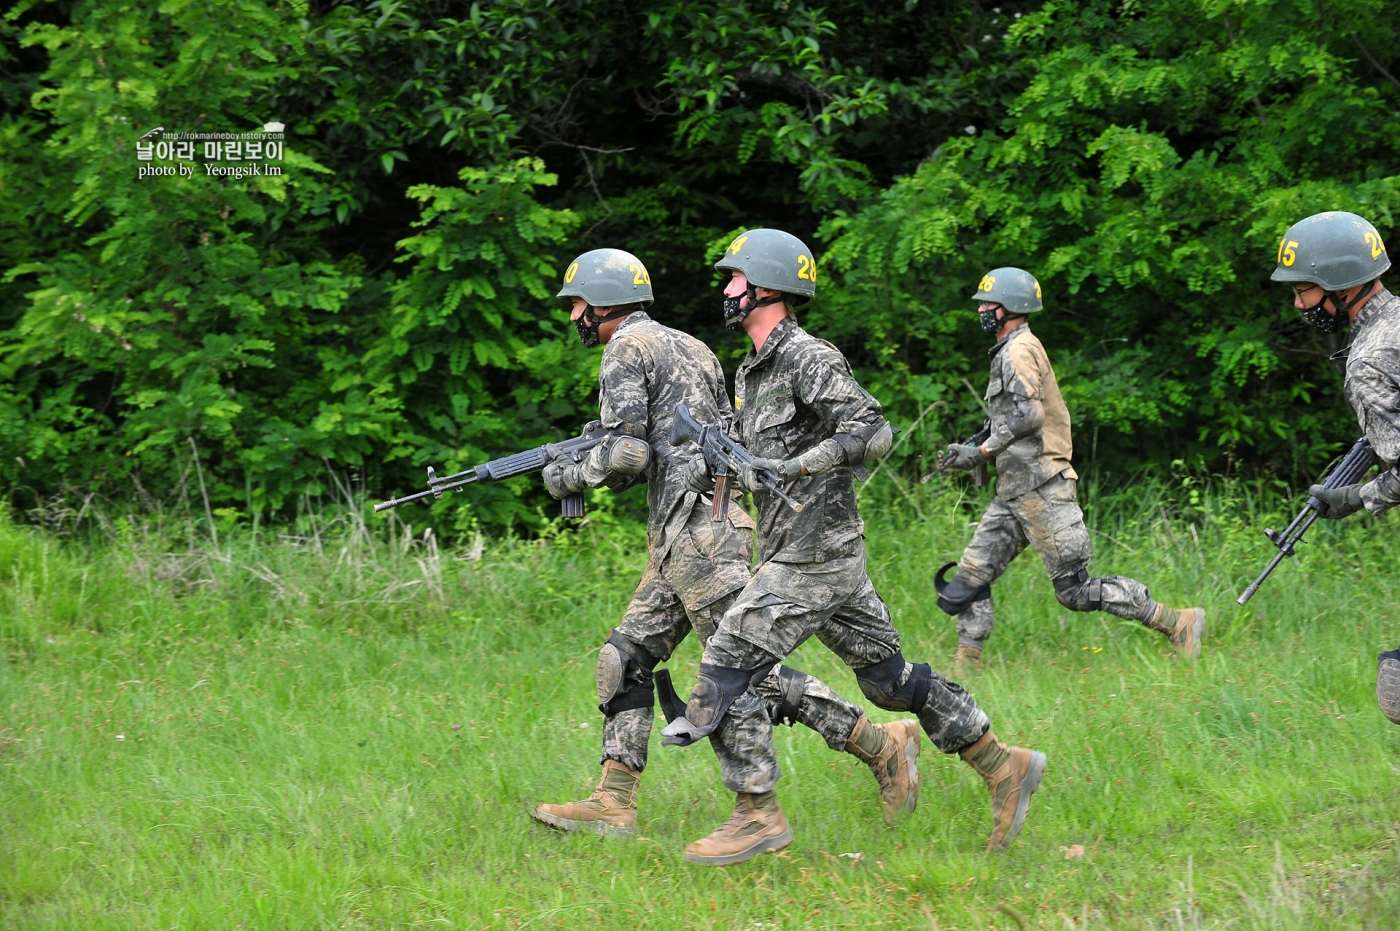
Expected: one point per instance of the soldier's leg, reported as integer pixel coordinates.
(1052, 519)
(655, 622)
(863, 635)
(968, 596)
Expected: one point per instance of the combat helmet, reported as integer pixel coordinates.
(1013, 288)
(768, 259)
(1335, 250)
(606, 278)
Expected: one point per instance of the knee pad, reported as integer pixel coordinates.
(1388, 685)
(715, 691)
(896, 685)
(1078, 592)
(791, 683)
(624, 675)
(957, 596)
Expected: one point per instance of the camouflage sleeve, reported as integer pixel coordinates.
(1375, 392)
(825, 384)
(622, 399)
(1021, 374)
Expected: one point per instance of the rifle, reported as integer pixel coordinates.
(1347, 472)
(945, 459)
(497, 470)
(724, 457)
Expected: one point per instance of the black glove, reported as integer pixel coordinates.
(964, 457)
(784, 470)
(697, 476)
(563, 477)
(1338, 502)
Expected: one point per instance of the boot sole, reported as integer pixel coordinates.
(1198, 633)
(1029, 783)
(586, 827)
(765, 845)
(912, 747)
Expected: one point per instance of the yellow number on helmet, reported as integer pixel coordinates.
(987, 283)
(1286, 255)
(570, 273)
(1373, 239)
(737, 244)
(639, 274)
(1037, 290)
(804, 268)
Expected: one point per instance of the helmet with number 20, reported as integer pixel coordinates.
(1336, 250)
(607, 278)
(775, 260)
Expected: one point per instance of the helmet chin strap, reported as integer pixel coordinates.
(735, 313)
(1318, 316)
(589, 322)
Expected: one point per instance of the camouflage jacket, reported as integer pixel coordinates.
(1030, 437)
(793, 397)
(1372, 386)
(648, 369)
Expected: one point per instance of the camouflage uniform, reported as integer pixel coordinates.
(696, 567)
(1036, 496)
(797, 397)
(1371, 364)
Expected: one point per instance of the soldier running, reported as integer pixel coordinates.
(802, 411)
(1334, 262)
(695, 568)
(1028, 435)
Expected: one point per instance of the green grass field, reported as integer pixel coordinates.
(347, 729)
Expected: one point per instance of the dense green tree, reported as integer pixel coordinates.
(387, 301)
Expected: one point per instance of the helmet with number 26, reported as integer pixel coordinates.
(775, 260)
(607, 278)
(1013, 288)
(1336, 250)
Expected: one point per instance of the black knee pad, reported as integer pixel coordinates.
(881, 683)
(624, 675)
(957, 596)
(715, 690)
(1078, 592)
(791, 683)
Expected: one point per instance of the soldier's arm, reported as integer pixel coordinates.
(825, 384)
(1376, 386)
(1024, 382)
(623, 406)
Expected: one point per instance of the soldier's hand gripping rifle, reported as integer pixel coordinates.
(525, 463)
(1353, 465)
(946, 459)
(724, 457)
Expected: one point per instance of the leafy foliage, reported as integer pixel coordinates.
(386, 302)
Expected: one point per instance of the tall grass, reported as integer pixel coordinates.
(345, 726)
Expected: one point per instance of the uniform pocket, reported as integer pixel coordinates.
(994, 388)
(798, 587)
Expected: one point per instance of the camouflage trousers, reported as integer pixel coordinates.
(777, 611)
(1048, 519)
(693, 588)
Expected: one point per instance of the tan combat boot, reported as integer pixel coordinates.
(1012, 774)
(892, 753)
(968, 658)
(1185, 627)
(757, 826)
(611, 810)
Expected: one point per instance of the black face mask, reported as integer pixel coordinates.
(989, 321)
(588, 323)
(734, 314)
(1318, 316)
